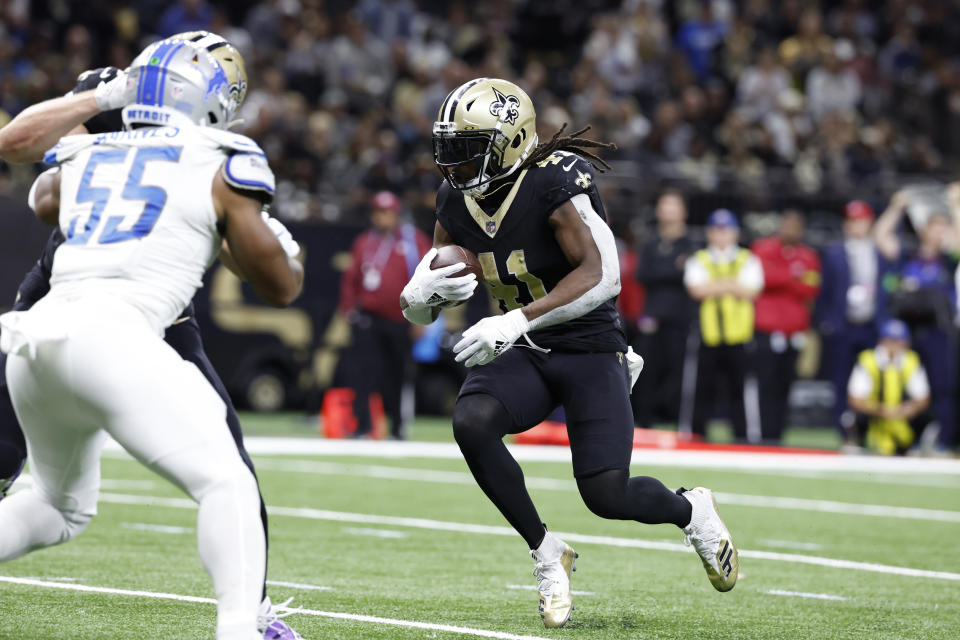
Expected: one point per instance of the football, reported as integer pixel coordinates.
(452, 254)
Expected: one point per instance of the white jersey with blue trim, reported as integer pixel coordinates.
(137, 211)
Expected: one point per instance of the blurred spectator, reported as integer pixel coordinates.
(699, 39)
(889, 387)
(359, 64)
(725, 279)
(901, 55)
(788, 125)
(665, 325)
(834, 86)
(185, 15)
(807, 48)
(847, 307)
(388, 20)
(791, 281)
(761, 85)
(383, 259)
(670, 136)
(923, 295)
(632, 296)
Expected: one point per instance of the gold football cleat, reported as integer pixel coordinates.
(555, 561)
(710, 537)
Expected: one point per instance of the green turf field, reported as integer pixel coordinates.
(387, 537)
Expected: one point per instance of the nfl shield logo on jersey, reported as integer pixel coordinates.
(491, 227)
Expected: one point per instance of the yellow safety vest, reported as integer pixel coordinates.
(725, 319)
(883, 434)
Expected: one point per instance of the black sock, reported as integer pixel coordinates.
(479, 424)
(614, 495)
(11, 461)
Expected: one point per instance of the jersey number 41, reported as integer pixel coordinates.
(508, 294)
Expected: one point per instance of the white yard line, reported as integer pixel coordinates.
(832, 506)
(654, 457)
(410, 624)
(933, 481)
(108, 483)
(155, 528)
(804, 594)
(610, 541)
(533, 587)
(374, 533)
(299, 585)
(384, 472)
(790, 544)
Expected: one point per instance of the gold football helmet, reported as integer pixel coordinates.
(486, 128)
(227, 55)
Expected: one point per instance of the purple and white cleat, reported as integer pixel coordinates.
(270, 623)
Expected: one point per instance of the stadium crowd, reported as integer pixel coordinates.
(753, 104)
(753, 98)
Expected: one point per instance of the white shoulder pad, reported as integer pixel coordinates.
(231, 142)
(69, 146)
(249, 172)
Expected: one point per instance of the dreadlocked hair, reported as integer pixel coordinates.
(570, 143)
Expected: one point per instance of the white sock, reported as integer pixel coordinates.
(232, 548)
(229, 532)
(699, 513)
(550, 549)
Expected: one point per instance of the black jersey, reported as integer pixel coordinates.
(519, 253)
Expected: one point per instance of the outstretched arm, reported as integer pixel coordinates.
(885, 230)
(40, 126)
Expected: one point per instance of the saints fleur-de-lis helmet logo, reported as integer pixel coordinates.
(505, 107)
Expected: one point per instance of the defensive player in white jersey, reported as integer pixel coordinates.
(22, 140)
(144, 212)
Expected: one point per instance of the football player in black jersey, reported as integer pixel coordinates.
(532, 215)
(94, 107)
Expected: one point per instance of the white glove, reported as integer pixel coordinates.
(290, 246)
(634, 365)
(112, 94)
(431, 287)
(490, 337)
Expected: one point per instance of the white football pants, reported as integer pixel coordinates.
(82, 369)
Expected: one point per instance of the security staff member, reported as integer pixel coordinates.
(850, 297)
(890, 387)
(382, 260)
(791, 274)
(725, 278)
(664, 327)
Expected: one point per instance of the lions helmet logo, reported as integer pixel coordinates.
(505, 107)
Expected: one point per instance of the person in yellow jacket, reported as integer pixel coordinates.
(724, 278)
(889, 386)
